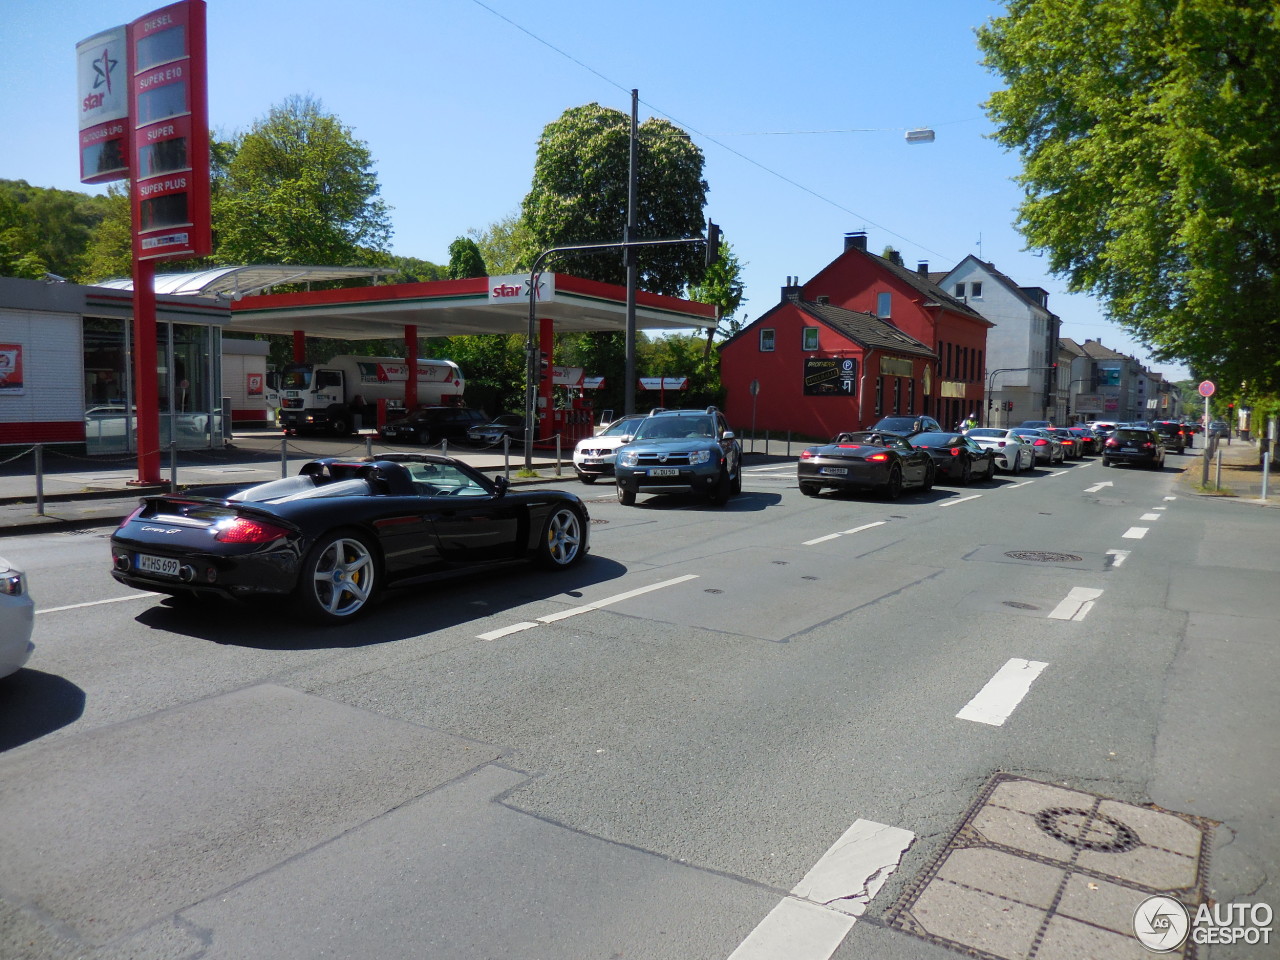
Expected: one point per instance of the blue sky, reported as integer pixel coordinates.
(801, 110)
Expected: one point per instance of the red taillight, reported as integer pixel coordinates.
(955, 451)
(1113, 443)
(1041, 443)
(246, 530)
(878, 456)
(807, 454)
(1000, 443)
(133, 515)
(848, 446)
(1146, 446)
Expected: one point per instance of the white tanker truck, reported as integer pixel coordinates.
(325, 397)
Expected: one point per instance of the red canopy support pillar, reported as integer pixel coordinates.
(411, 357)
(546, 387)
(145, 366)
(299, 346)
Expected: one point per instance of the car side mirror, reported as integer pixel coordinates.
(728, 435)
(500, 486)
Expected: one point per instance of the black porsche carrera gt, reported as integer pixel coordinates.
(866, 460)
(334, 536)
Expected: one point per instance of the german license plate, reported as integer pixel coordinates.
(663, 472)
(835, 471)
(165, 566)
(593, 461)
(1128, 449)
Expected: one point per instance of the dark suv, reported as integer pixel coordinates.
(426, 425)
(680, 451)
(1176, 436)
(1142, 448)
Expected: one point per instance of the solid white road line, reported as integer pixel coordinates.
(1120, 556)
(951, 503)
(1077, 604)
(145, 595)
(1000, 697)
(811, 923)
(865, 526)
(1022, 484)
(574, 611)
(564, 614)
(829, 536)
(1171, 498)
(1150, 516)
(505, 631)
(1135, 533)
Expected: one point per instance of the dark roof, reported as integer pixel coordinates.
(865, 329)
(929, 289)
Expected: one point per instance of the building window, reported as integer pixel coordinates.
(975, 290)
(884, 304)
(911, 397)
(809, 339)
(879, 396)
(960, 291)
(766, 341)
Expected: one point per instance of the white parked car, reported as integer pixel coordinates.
(1013, 453)
(594, 456)
(17, 614)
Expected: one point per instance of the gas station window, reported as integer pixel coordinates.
(160, 103)
(169, 210)
(161, 47)
(163, 157)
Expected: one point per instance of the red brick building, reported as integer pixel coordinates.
(866, 337)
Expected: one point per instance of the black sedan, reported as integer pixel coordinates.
(862, 461)
(956, 457)
(333, 537)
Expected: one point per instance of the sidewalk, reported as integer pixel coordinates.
(80, 491)
(1241, 474)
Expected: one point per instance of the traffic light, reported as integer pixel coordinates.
(990, 403)
(544, 365)
(713, 242)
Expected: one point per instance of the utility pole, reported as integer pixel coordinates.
(630, 259)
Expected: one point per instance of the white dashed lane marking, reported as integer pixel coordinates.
(1120, 556)
(842, 533)
(996, 701)
(814, 919)
(1150, 516)
(585, 608)
(1077, 604)
(1135, 533)
(952, 503)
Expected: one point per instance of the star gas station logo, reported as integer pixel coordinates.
(103, 67)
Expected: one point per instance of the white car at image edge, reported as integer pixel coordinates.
(17, 614)
(1005, 443)
(594, 456)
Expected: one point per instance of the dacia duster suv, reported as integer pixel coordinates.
(681, 451)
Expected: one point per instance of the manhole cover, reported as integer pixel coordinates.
(1087, 830)
(1037, 870)
(1019, 605)
(1043, 556)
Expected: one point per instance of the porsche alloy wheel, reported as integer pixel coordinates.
(893, 489)
(561, 544)
(338, 578)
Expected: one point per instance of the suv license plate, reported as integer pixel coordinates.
(1128, 449)
(165, 566)
(663, 472)
(835, 471)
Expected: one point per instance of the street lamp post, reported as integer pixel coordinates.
(991, 381)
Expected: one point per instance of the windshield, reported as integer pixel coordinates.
(986, 432)
(294, 379)
(620, 427)
(897, 424)
(935, 439)
(675, 428)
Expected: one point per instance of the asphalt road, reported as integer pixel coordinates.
(645, 756)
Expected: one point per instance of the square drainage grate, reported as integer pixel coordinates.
(1041, 872)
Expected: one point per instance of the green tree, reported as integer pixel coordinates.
(299, 188)
(722, 287)
(465, 260)
(413, 270)
(44, 229)
(1151, 166)
(505, 245)
(110, 248)
(579, 195)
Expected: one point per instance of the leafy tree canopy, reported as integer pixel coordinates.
(505, 245)
(465, 260)
(722, 286)
(579, 195)
(43, 229)
(298, 188)
(1151, 167)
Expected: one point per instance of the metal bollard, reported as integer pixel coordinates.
(1266, 473)
(40, 479)
(506, 457)
(444, 446)
(368, 447)
(173, 466)
(1217, 474)
(284, 457)
(558, 455)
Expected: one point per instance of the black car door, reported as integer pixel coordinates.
(471, 521)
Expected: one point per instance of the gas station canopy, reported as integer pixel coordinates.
(479, 305)
(438, 308)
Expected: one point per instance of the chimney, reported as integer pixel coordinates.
(857, 240)
(922, 268)
(792, 291)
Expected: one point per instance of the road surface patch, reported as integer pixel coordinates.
(1037, 870)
